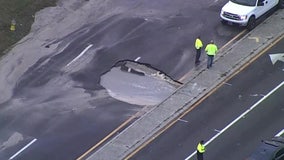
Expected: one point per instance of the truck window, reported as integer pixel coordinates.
(245, 2)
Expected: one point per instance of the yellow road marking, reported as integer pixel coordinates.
(236, 37)
(202, 99)
(255, 38)
(107, 137)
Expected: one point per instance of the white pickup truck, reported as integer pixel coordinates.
(245, 12)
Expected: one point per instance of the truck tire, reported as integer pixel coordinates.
(251, 23)
(281, 4)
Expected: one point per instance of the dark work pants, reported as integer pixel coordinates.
(210, 61)
(198, 53)
(199, 156)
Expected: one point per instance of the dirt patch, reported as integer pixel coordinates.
(22, 11)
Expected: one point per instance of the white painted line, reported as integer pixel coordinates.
(237, 119)
(280, 133)
(253, 95)
(256, 95)
(229, 84)
(276, 57)
(129, 69)
(80, 55)
(22, 149)
(183, 120)
(137, 59)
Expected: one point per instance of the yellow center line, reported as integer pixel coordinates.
(107, 137)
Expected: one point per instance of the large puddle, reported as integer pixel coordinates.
(138, 84)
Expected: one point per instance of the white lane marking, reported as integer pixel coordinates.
(183, 120)
(276, 57)
(129, 69)
(280, 133)
(256, 95)
(22, 149)
(237, 119)
(137, 59)
(229, 84)
(80, 55)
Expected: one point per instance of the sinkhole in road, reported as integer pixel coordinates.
(138, 83)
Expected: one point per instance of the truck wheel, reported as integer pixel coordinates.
(281, 4)
(251, 23)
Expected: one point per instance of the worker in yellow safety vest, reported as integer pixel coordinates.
(200, 150)
(198, 47)
(211, 50)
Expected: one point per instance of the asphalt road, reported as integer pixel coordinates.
(59, 103)
(245, 90)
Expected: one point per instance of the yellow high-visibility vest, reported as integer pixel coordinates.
(198, 43)
(211, 49)
(200, 148)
